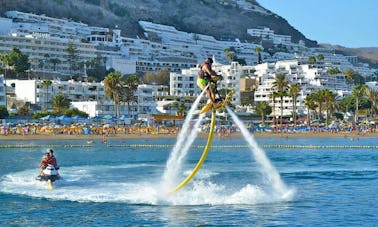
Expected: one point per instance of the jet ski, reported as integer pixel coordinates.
(49, 174)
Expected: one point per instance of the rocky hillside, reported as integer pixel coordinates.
(218, 18)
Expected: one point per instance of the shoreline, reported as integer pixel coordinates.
(203, 135)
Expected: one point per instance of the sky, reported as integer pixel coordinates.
(349, 23)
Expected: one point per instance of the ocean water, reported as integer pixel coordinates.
(120, 184)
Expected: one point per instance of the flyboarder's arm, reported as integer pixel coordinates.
(209, 71)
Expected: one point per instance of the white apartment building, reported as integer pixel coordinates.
(88, 96)
(43, 27)
(44, 38)
(146, 104)
(38, 50)
(185, 83)
(309, 78)
(198, 46)
(268, 34)
(34, 92)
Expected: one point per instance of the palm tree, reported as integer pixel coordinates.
(55, 62)
(7, 61)
(320, 57)
(175, 105)
(281, 84)
(258, 51)
(273, 96)
(181, 109)
(330, 103)
(60, 104)
(372, 96)
(229, 53)
(128, 91)
(263, 109)
(358, 92)
(113, 88)
(46, 84)
(72, 57)
(293, 93)
(318, 97)
(311, 60)
(350, 74)
(311, 106)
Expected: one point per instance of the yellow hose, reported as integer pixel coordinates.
(203, 156)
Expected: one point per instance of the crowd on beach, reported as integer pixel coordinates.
(79, 129)
(138, 130)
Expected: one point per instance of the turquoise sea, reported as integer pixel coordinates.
(120, 184)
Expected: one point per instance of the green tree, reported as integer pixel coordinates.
(330, 103)
(311, 106)
(319, 100)
(353, 77)
(60, 104)
(24, 110)
(230, 54)
(3, 112)
(258, 51)
(281, 85)
(358, 92)
(75, 112)
(162, 77)
(372, 96)
(17, 61)
(181, 109)
(293, 93)
(263, 109)
(320, 57)
(149, 78)
(7, 62)
(333, 71)
(97, 68)
(55, 62)
(72, 57)
(129, 89)
(311, 60)
(273, 97)
(175, 106)
(46, 84)
(113, 89)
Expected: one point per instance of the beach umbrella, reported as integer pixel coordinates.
(109, 117)
(47, 118)
(96, 118)
(123, 117)
(78, 117)
(64, 118)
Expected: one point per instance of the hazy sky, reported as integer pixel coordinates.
(350, 23)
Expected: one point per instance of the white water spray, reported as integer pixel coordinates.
(189, 142)
(174, 162)
(267, 169)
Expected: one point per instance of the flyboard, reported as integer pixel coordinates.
(226, 101)
(218, 105)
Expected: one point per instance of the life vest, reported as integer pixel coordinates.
(52, 161)
(202, 73)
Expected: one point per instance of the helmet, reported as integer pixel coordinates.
(209, 60)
